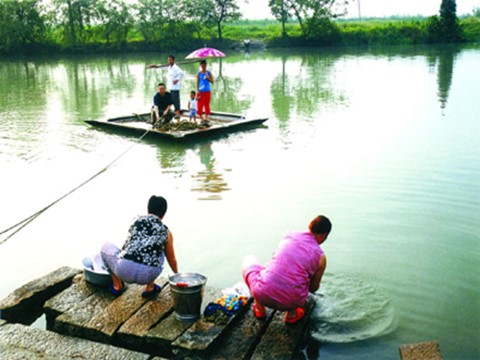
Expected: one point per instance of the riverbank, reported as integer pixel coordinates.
(266, 33)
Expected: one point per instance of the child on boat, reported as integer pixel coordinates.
(296, 268)
(192, 106)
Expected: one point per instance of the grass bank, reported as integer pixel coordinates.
(370, 32)
(346, 33)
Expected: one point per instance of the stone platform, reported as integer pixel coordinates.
(79, 314)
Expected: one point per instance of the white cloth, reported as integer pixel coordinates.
(174, 73)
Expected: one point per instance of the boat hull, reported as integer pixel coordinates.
(138, 124)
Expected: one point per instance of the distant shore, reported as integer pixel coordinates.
(266, 33)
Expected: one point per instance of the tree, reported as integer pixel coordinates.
(196, 15)
(445, 28)
(150, 19)
(21, 25)
(218, 12)
(310, 14)
(73, 16)
(176, 28)
(116, 19)
(280, 12)
(163, 20)
(449, 21)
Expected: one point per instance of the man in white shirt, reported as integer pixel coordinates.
(175, 75)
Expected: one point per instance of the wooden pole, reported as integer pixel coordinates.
(189, 61)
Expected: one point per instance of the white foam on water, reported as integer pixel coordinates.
(349, 309)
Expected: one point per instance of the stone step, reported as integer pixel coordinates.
(18, 341)
(80, 314)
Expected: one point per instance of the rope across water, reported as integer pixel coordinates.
(21, 224)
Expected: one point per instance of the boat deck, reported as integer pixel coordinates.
(179, 129)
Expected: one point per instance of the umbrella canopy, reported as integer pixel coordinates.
(205, 53)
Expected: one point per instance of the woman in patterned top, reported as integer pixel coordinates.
(142, 256)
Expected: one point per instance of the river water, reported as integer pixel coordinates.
(386, 143)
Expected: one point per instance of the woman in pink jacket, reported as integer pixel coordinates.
(296, 268)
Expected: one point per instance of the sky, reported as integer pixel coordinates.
(258, 9)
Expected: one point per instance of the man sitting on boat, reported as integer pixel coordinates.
(162, 106)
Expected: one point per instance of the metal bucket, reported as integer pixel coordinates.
(187, 291)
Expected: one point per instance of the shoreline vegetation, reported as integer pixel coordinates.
(31, 27)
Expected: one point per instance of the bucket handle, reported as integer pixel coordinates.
(182, 284)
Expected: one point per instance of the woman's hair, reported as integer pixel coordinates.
(157, 205)
(320, 225)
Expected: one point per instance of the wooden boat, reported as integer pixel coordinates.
(218, 122)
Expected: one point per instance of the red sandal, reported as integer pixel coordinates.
(259, 314)
(299, 313)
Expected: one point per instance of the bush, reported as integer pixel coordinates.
(471, 28)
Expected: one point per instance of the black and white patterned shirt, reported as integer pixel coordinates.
(146, 241)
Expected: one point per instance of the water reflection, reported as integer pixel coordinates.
(172, 158)
(208, 180)
(446, 62)
(87, 87)
(443, 60)
(176, 159)
(41, 102)
(281, 96)
(226, 93)
(304, 85)
(23, 94)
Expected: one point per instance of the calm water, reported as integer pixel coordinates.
(385, 143)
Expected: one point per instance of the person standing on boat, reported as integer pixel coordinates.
(175, 76)
(295, 269)
(162, 105)
(142, 257)
(204, 80)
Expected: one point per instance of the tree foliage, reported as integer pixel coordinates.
(311, 15)
(116, 20)
(197, 15)
(220, 11)
(74, 17)
(21, 25)
(150, 19)
(445, 28)
(279, 10)
(89, 25)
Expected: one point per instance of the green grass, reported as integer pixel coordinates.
(366, 32)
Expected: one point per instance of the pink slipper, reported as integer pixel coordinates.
(299, 313)
(259, 314)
